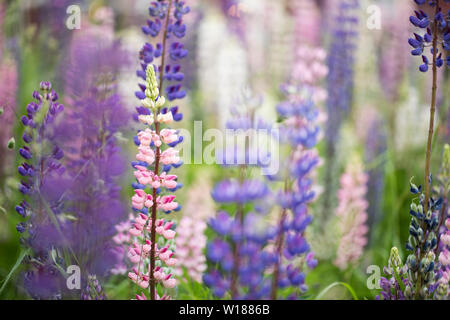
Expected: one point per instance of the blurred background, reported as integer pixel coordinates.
(237, 47)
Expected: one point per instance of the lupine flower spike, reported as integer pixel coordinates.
(42, 185)
(340, 88)
(352, 214)
(146, 249)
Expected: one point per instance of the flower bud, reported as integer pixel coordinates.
(11, 143)
(46, 85)
(148, 103)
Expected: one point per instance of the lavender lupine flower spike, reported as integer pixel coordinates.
(238, 253)
(376, 145)
(167, 23)
(247, 249)
(340, 87)
(299, 133)
(42, 184)
(93, 290)
(93, 158)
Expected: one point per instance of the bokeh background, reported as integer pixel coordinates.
(237, 47)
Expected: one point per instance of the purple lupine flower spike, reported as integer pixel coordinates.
(43, 182)
(340, 88)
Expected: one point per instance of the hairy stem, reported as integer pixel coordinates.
(235, 246)
(164, 41)
(236, 261)
(280, 240)
(156, 171)
(432, 112)
(279, 251)
(429, 143)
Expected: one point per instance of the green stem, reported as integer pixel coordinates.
(156, 171)
(429, 144)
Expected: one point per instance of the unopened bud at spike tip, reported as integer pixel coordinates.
(11, 143)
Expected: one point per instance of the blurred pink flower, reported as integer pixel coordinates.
(394, 50)
(307, 22)
(8, 90)
(191, 241)
(352, 214)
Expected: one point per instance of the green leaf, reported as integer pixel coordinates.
(335, 284)
(399, 280)
(14, 268)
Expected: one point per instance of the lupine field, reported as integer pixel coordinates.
(224, 149)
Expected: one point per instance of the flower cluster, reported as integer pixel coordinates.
(394, 287)
(443, 247)
(38, 122)
(340, 87)
(422, 242)
(95, 114)
(352, 214)
(239, 253)
(153, 163)
(394, 55)
(249, 246)
(307, 22)
(434, 26)
(376, 145)
(166, 18)
(299, 134)
(191, 238)
(340, 65)
(146, 252)
(42, 185)
(122, 239)
(444, 261)
(93, 290)
(309, 70)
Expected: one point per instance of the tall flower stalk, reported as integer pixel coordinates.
(299, 134)
(147, 220)
(374, 155)
(238, 251)
(352, 214)
(424, 221)
(42, 184)
(153, 162)
(340, 88)
(94, 116)
(191, 239)
(256, 256)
